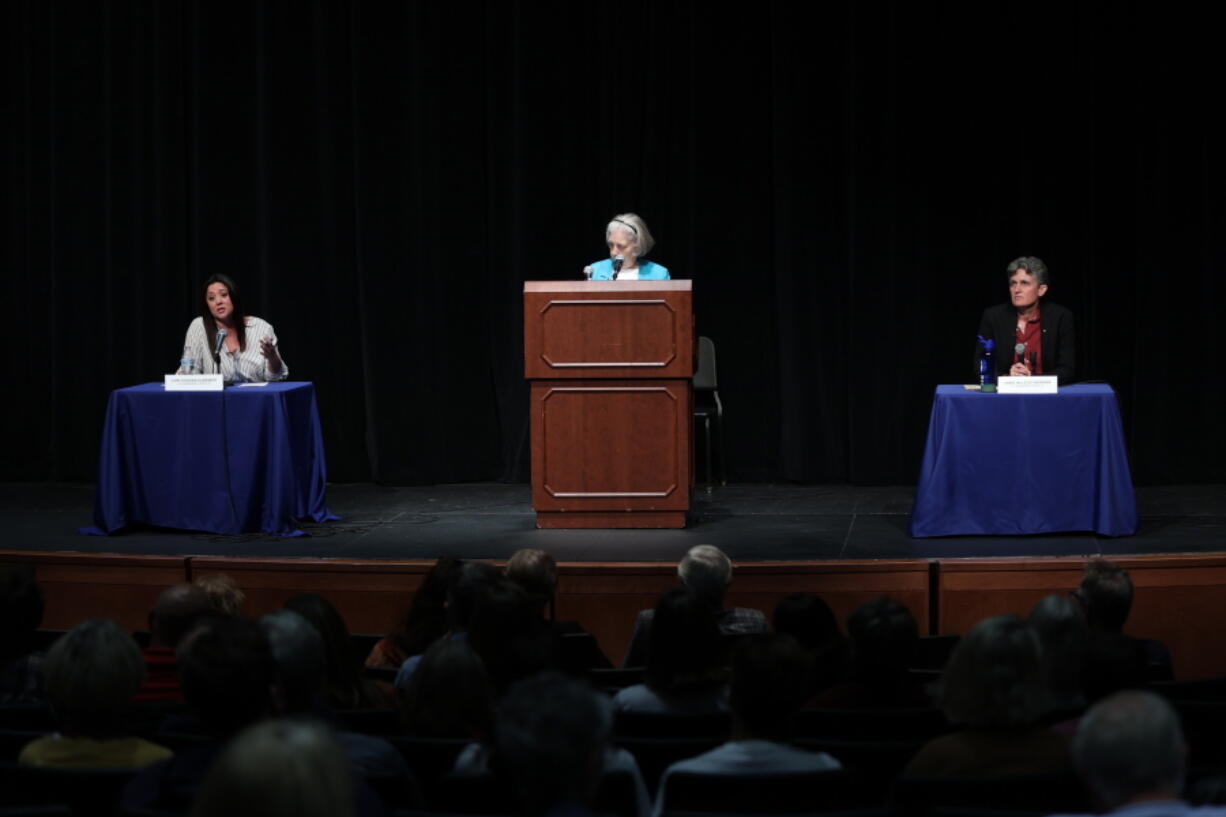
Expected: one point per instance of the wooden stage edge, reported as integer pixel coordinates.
(1178, 599)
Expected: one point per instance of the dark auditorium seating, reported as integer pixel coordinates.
(430, 759)
(612, 680)
(654, 755)
(84, 791)
(795, 793)
(12, 741)
(375, 721)
(1046, 793)
(487, 794)
(871, 724)
(648, 725)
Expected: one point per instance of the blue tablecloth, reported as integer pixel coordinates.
(1017, 464)
(235, 461)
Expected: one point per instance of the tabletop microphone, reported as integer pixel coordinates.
(617, 265)
(217, 342)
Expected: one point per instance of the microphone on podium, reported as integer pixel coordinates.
(617, 265)
(217, 342)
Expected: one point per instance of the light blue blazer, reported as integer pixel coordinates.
(648, 271)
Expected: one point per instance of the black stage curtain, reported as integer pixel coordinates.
(845, 183)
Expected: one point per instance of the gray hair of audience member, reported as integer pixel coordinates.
(1106, 593)
(995, 676)
(92, 672)
(632, 224)
(536, 572)
(176, 612)
(223, 592)
(706, 572)
(1034, 266)
(1065, 639)
(1130, 745)
(302, 663)
(550, 733)
(291, 768)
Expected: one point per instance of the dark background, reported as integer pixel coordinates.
(844, 182)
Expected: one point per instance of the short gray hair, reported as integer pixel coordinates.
(279, 767)
(1032, 265)
(92, 672)
(706, 571)
(1129, 745)
(633, 224)
(995, 676)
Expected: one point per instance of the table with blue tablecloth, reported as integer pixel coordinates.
(1025, 464)
(241, 460)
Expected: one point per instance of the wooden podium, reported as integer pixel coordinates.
(610, 365)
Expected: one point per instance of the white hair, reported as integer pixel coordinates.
(706, 571)
(634, 226)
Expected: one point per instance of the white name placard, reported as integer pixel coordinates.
(1038, 384)
(194, 382)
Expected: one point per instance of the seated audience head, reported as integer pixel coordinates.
(426, 620)
(683, 645)
(706, 572)
(344, 672)
(21, 610)
(1128, 748)
(550, 734)
(292, 768)
(470, 583)
(1065, 639)
(1106, 594)
(301, 661)
(449, 695)
(994, 678)
(507, 633)
(808, 619)
(92, 674)
(176, 612)
(537, 573)
(884, 638)
(224, 594)
(770, 683)
(227, 673)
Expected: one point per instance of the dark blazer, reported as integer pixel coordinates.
(1059, 340)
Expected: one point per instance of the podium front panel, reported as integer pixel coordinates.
(611, 445)
(600, 329)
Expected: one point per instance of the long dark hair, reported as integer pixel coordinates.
(240, 317)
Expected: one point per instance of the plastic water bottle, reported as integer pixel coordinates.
(987, 364)
(187, 365)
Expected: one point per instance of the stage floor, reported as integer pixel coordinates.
(490, 521)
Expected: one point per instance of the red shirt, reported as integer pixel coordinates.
(1032, 337)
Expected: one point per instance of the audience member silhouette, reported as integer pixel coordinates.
(884, 636)
(1116, 660)
(993, 691)
(465, 591)
(227, 672)
(346, 686)
(707, 573)
(769, 685)
(279, 769)
(536, 573)
(92, 673)
(449, 696)
(1130, 753)
(425, 621)
(684, 673)
(809, 619)
(21, 614)
(1065, 638)
(509, 636)
(301, 661)
(178, 609)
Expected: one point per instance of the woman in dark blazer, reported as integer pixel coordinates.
(1044, 329)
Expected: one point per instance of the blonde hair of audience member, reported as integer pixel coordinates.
(536, 572)
(279, 769)
(706, 572)
(224, 593)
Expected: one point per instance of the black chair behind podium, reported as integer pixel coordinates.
(708, 408)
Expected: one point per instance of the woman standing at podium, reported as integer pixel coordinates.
(628, 240)
(1033, 336)
(223, 339)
